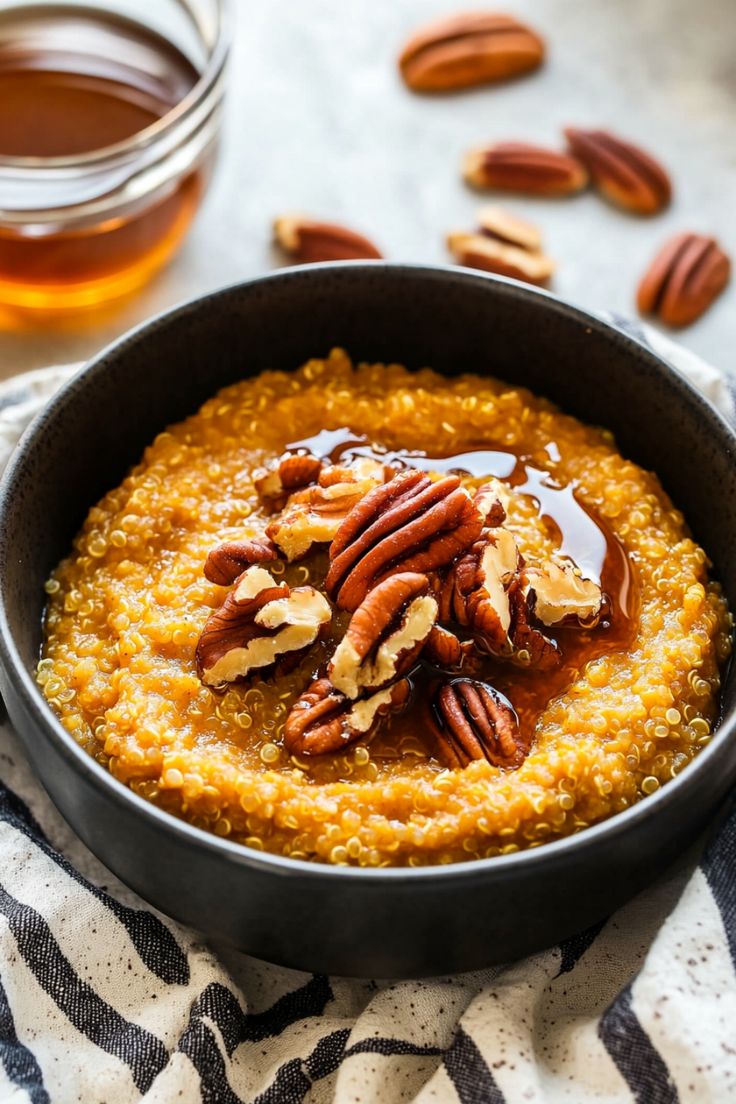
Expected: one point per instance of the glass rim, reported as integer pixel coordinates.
(149, 135)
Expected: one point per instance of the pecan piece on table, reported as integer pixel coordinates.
(314, 514)
(308, 240)
(229, 560)
(409, 524)
(469, 49)
(289, 473)
(385, 635)
(525, 168)
(471, 720)
(503, 226)
(260, 624)
(624, 173)
(685, 277)
(479, 251)
(323, 720)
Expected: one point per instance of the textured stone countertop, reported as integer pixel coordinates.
(317, 120)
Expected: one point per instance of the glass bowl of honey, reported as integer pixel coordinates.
(109, 123)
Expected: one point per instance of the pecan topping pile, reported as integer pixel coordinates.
(432, 579)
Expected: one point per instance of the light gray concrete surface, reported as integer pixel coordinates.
(317, 120)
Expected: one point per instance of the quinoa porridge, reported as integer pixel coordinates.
(367, 616)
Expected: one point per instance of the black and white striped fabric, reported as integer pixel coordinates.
(103, 1000)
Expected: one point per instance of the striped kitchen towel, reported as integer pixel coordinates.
(102, 1000)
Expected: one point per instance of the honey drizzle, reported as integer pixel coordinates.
(581, 535)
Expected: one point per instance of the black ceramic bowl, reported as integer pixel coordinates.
(386, 923)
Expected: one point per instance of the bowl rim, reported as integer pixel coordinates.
(557, 851)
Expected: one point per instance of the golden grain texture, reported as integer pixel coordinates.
(126, 608)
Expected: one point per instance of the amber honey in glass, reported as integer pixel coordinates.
(107, 138)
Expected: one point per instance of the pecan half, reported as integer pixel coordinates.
(557, 594)
(501, 225)
(471, 720)
(314, 515)
(685, 277)
(522, 167)
(469, 49)
(492, 499)
(385, 635)
(624, 173)
(482, 578)
(260, 624)
(446, 650)
(230, 559)
(450, 603)
(289, 473)
(484, 590)
(309, 241)
(323, 720)
(409, 524)
(531, 647)
(479, 251)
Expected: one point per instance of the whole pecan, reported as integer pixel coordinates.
(523, 167)
(309, 241)
(385, 635)
(323, 720)
(409, 524)
(471, 720)
(290, 473)
(624, 173)
(261, 624)
(686, 276)
(230, 559)
(468, 49)
(479, 251)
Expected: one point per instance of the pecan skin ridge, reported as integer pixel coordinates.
(229, 560)
(445, 650)
(684, 279)
(310, 241)
(472, 720)
(624, 172)
(469, 49)
(320, 721)
(524, 168)
(408, 524)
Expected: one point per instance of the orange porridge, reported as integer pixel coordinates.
(368, 616)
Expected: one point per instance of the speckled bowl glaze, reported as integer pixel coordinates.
(361, 922)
